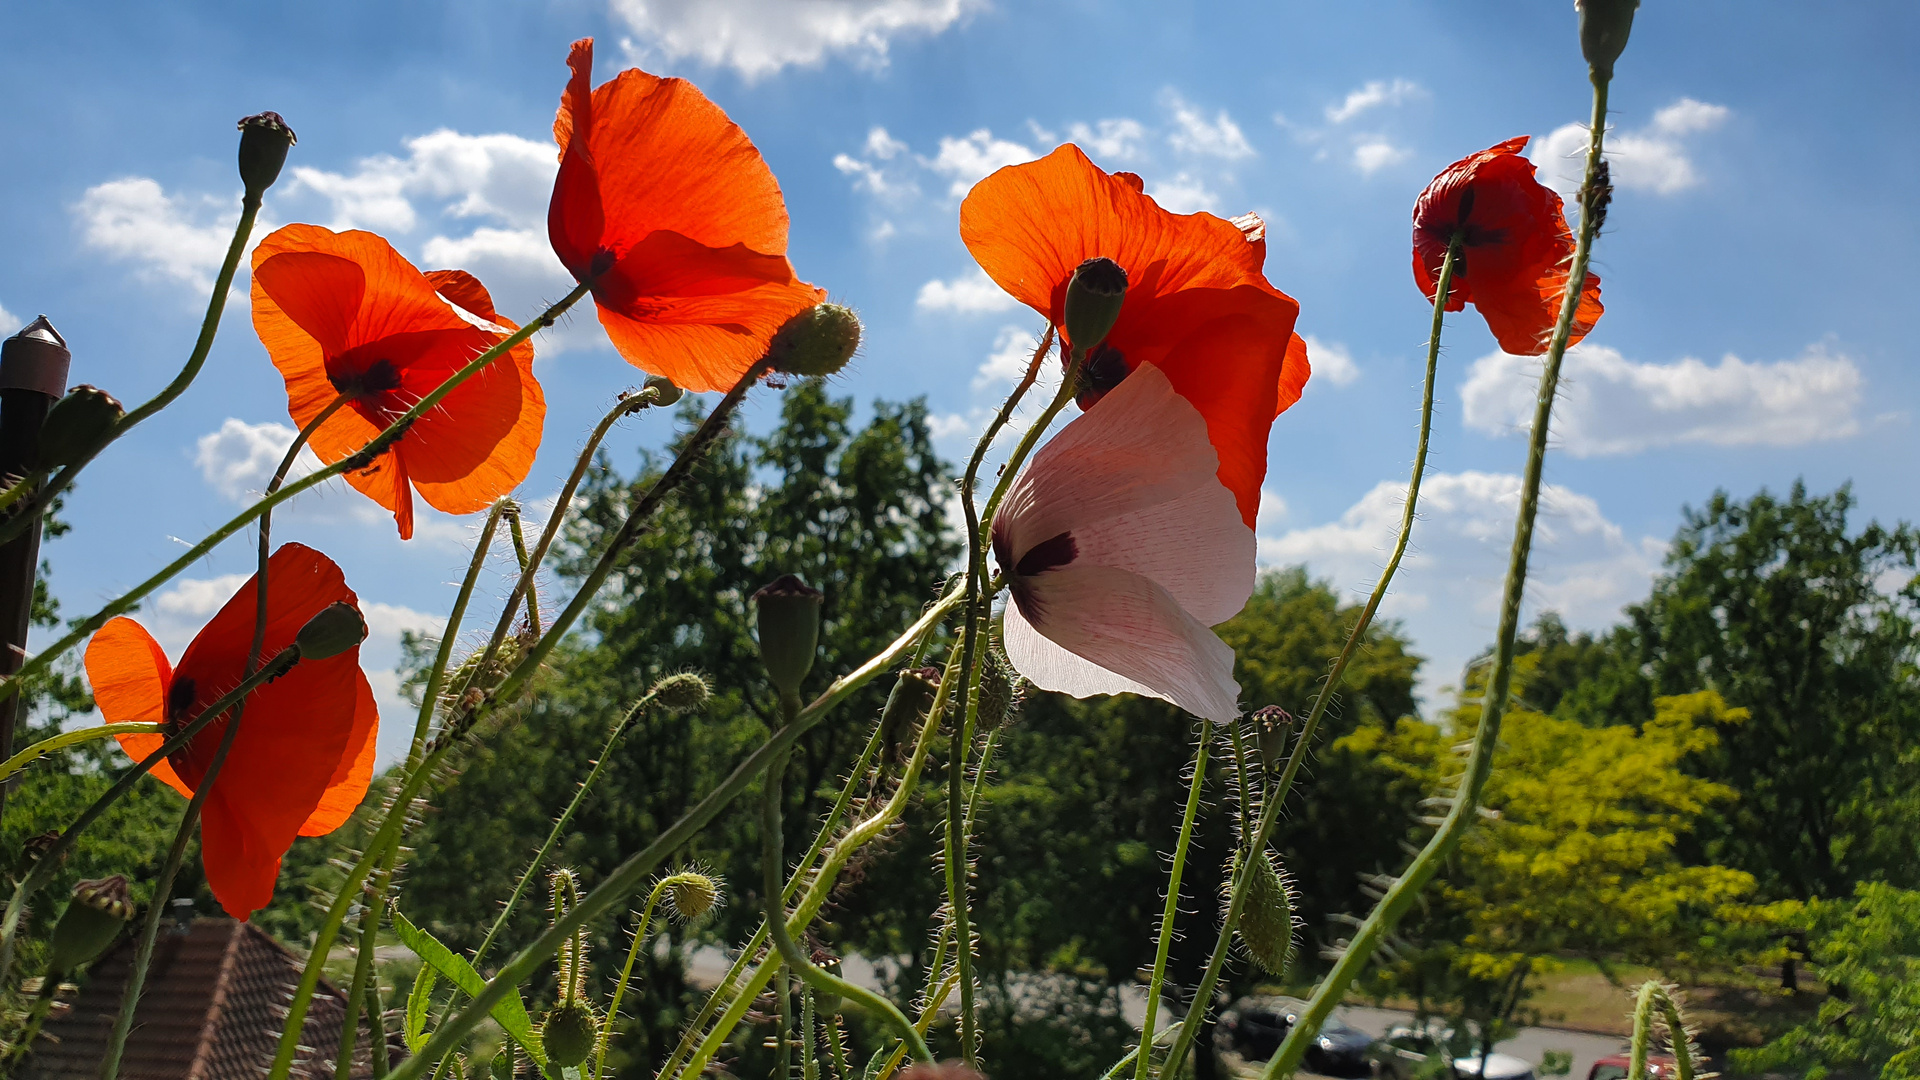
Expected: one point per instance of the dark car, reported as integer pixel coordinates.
(1255, 1027)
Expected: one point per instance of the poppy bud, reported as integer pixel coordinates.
(685, 692)
(1604, 25)
(99, 911)
(570, 1032)
(1271, 728)
(818, 341)
(77, 425)
(789, 619)
(1266, 925)
(664, 392)
(264, 141)
(1094, 296)
(337, 628)
(912, 695)
(692, 895)
(1000, 688)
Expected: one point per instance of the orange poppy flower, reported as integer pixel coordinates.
(664, 205)
(1514, 252)
(1198, 305)
(304, 755)
(345, 313)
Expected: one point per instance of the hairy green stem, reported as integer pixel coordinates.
(73, 738)
(1172, 909)
(362, 972)
(607, 1030)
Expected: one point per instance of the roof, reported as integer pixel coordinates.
(213, 1006)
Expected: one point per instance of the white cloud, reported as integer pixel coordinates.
(498, 176)
(969, 160)
(1374, 154)
(1447, 593)
(1331, 362)
(1654, 158)
(884, 146)
(1012, 351)
(1374, 94)
(1109, 140)
(1194, 134)
(1273, 509)
(9, 322)
(759, 37)
(969, 294)
(1612, 405)
(172, 237)
(238, 460)
(1184, 193)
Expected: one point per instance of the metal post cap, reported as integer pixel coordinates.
(36, 358)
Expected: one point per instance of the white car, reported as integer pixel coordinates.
(1403, 1052)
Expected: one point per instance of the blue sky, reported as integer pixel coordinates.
(1754, 331)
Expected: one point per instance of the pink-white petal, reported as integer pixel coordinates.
(1086, 629)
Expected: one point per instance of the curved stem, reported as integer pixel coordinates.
(626, 975)
(72, 738)
(362, 973)
(1402, 893)
(1277, 789)
(1172, 908)
(437, 675)
(526, 565)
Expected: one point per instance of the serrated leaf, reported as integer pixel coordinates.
(417, 1003)
(509, 1012)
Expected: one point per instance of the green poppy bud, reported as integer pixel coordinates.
(570, 1032)
(1094, 296)
(1604, 26)
(818, 341)
(685, 692)
(664, 392)
(337, 628)
(1266, 925)
(789, 631)
(264, 142)
(912, 695)
(1000, 690)
(1272, 727)
(692, 895)
(99, 911)
(78, 424)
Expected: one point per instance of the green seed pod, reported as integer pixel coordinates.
(818, 341)
(1604, 26)
(78, 424)
(682, 693)
(1266, 926)
(912, 695)
(570, 1032)
(789, 618)
(692, 895)
(1094, 295)
(664, 392)
(264, 142)
(337, 628)
(1000, 690)
(99, 911)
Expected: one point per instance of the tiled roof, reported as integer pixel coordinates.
(215, 996)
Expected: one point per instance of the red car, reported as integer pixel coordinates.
(1659, 1067)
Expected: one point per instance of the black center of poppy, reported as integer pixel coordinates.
(1104, 369)
(1047, 555)
(179, 700)
(378, 377)
(603, 260)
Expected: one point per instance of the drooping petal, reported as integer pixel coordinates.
(1082, 626)
(129, 675)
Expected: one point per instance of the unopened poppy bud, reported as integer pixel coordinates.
(1272, 727)
(264, 141)
(78, 424)
(818, 341)
(789, 618)
(1000, 687)
(685, 692)
(337, 628)
(912, 695)
(1604, 26)
(664, 392)
(1266, 925)
(692, 895)
(570, 1032)
(99, 911)
(1094, 296)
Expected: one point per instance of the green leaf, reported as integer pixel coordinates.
(417, 1002)
(510, 1012)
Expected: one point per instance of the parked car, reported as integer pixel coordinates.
(1616, 1067)
(1404, 1053)
(1255, 1027)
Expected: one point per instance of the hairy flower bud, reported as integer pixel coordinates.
(337, 628)
(789, 619)
(684, 692)
(1000, 690)
(1604, 26)
(1272, 726)
(818, 341)
(78, 424)
(1094, 296)
(912, 695)
(1266, 925)
(692, 895)
(264, 142)
(570, 1032)
(99, 911)
(664, 392)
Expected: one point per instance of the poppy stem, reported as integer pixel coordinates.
(1171, 911)
(1277, 789)
(526, 565)
(72, 738)
(1465, 809)
(209, 327)
(626, 975)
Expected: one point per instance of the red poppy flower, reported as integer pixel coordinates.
(666, 207)
(1198, 305)
(304, 755)
(1515, 247)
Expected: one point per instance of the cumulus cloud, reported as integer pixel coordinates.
(1374, 94)
(1109, 140)
(9, 322)
(497, 176)
(1612, 405)
(1184, 193)
(238, 460)
(180, 238)
(1331, 362)
(759, 37)
(1194, 134)
(1447, 593)
(970, 159)
(969, 294)
(1012, 351)
(1374, 154)
(1654, 158)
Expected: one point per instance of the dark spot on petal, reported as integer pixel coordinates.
(603, 260)
(179, 700)
(1466, 205)
(378, 377)
(1047, 555)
